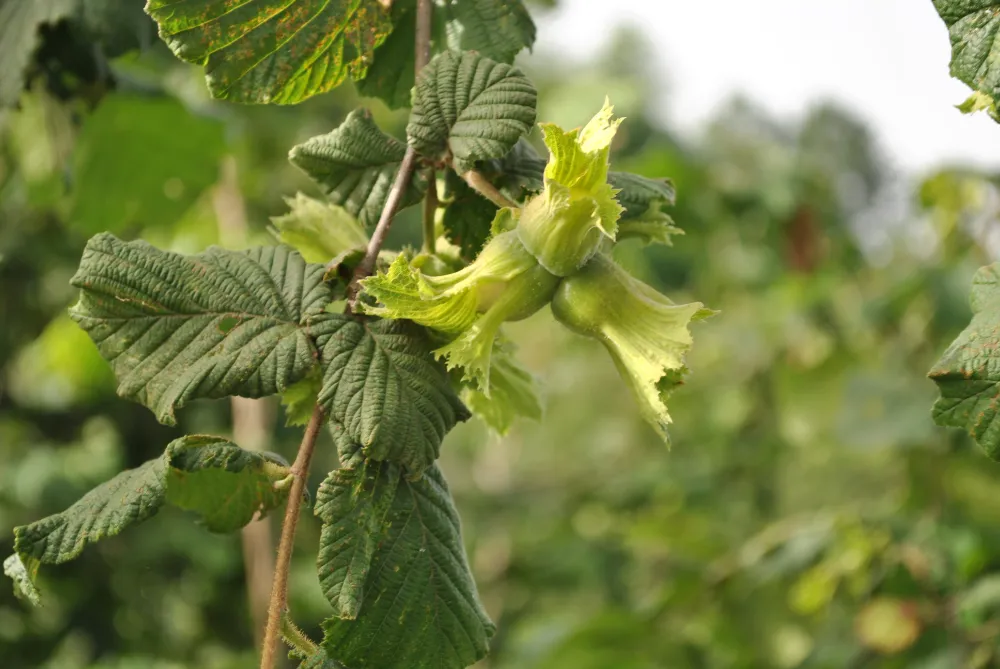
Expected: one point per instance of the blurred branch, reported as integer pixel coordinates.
(252, 418)
(481, 185)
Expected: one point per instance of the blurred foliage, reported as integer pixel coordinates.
(809, 515)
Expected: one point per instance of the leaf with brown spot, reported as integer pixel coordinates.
(273, 51)
(968, 374)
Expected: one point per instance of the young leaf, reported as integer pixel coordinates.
(19, 24)
(221, 482)
(177, 328)
(381, 383)
(467, 216)
(352, 505)
(468, 108)
(356, 165)
(273, 51)
(513, 393)
(420, 607)
(968, 374)
(973, 27)
(497, 29)
(317, 230)
(643, 200)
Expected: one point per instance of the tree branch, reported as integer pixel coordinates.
(279, 588)
(430, 209)
(367, 265)
(481, 185)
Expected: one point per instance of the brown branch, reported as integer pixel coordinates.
(279, 589)
(367, 265)
(481, 185)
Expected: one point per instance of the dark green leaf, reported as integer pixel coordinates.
(470, 108)
(383, 385)
(467, 216)
(420, 606)
(519, 172)
(273, 51)
(638, 193)
(497, 29)
(353, 507)
(390, 76)
(225, 485)
(968, 374)
(974, 28)
(356, 165)
(117, 186)
(19, 24)
(177, 328)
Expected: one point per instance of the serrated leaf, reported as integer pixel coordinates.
(467, 216)
(968, 373)
(19, 24)
(318, 230)
(973, 26)
(225, 485)
(177, 328)
(497, 29)
(513, 393)
(319, 660)
(467, 108)
(421, 608)
(352, 506)
(356, 165)
(382, 384)
(978, 102)
(520, 171)
(273, 51)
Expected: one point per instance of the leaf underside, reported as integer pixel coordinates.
(273, 51)
(974, 29)
(968, 374)
(469, 108)
(177, 328)
(225, 485)
(356, 165)
(383, 386)
(420, 607)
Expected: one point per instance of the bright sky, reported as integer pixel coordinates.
(886, 60)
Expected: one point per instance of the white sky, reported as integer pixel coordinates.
(886, 60)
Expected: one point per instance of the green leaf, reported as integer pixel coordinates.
(467, 216)
(513, 393)
(978, 102)
(520, 171)
(390, 76)
(467, 107)
(273, 51)
(23, 577)
(300, 398)
(116, 184)
(974, 26)
(319, 660)
(382, 384)
(968, 374)
(19, 25)
(225, 485)
(356, 165)
(353, 506)
(497, 29)
(420, 606)
(177, 328)
(317, 230)
(643, 200)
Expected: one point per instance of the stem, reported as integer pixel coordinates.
(421, 57)
(279, 589)
(481, 185)
(430, 208)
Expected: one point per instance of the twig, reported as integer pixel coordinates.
(481, 185)
(279, 588)
(430, 209)
(421, 57)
